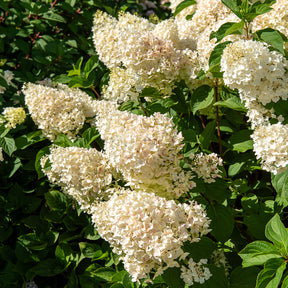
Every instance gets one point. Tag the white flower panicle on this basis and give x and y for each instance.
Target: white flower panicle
(124, 85)
(205, 14)
(196, 272)
(148, 231)
(206, 166)
(271, 145)
(146, 151)
(13, 116)
(58, 109)
(113, 39)
(208, 16)
(258, 73)
(153, 52)
(83, 173)
(276, 18)
(257, 114)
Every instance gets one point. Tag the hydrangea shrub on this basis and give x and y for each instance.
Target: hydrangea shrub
(155, 158)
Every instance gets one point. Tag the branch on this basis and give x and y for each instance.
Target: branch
(117, 7)
(142, 107)
(217, 118)
(95, 91)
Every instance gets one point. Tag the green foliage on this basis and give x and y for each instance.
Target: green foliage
(272, 256)
(227, 29)
(215, 58)
(248, 12)
(183, 5)
(45, 237)
(272, 37)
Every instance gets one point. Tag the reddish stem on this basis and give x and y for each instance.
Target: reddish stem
(217, 118)
(94, 90)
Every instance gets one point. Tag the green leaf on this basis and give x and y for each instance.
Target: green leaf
(189, 135)
(272, 37)
(172, 278)
(200, 250)
(16, 165)
(31, 203)
(90, 250)
(3, 5)
(233, 103)
(259, 8)
(202, 97)
(8, 145)
(215, 59)
(236, 168)
(117, 285)
(119, 277)
(244, 7)
(241, 141)
(39, 155)
(62, 78)
(24, 254)
(215, 191)
(218, 279)
(54, 17)
(243, 277)
(226, 29)
(63, 141)
(233, 6)
(90, 233)
(56, 200)
(103, 273)
(127, 282)
(208, 135)
(221, 216)
(3, 131)
(15, 197)
(280, 183)
(271, 275)
(48, 267)
(76, 68)
(91, 64)
(150, 92)
(277, 233)
(285, 282)
(256, 222)
(183, 5)
(3, 82)
(64, 252)
(72, 280)
(258, 253)
(26, 140)
(90, 135)
(250, 203)
(79, 81)
(32, 241)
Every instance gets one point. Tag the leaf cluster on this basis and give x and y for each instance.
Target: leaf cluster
(44, 235)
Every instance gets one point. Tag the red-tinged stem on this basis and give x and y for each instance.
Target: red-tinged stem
(94, 90)
(142, 107)
(53, 4)
(217, 118)
(202, 121)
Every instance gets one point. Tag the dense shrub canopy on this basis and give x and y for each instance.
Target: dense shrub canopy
(143, 143)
